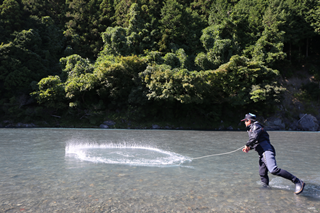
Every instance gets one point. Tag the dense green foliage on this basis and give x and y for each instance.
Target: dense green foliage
(160, 60)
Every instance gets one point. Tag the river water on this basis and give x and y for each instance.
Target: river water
(94, 170)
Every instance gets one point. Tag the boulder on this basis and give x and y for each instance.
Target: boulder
(22, 125)
(155, 126)
(109, 123)
(103, 126)
(17, 125)
(274, 123)
(30, 125)
(308, 122)
(230, 128)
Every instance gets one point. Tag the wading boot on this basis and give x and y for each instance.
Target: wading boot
(299, 186)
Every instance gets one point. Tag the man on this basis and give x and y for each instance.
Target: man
(259, 141)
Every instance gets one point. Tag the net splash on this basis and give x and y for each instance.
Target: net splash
(125, 154)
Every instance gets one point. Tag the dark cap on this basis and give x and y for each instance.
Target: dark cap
(249, 116)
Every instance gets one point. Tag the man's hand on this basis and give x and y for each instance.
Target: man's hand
(246, 149)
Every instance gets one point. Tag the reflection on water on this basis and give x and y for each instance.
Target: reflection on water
(88, 170)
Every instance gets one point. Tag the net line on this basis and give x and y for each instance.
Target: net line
(225, 153)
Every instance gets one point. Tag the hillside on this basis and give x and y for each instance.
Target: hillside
(172, 64)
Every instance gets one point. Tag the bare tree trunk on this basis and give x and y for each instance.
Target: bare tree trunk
(307, 48)
(290, 51)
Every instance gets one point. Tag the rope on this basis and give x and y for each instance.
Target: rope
(226, 153)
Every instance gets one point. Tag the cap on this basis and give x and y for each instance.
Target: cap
(249, 116)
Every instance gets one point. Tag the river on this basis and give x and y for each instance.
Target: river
(98, 170)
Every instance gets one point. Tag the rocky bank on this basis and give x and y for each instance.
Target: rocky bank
(306, 122)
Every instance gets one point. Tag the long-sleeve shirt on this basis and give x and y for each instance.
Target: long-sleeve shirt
(258, 138)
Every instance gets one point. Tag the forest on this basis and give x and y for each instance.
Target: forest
(178, 63)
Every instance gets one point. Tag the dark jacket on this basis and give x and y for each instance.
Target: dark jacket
(258, 138)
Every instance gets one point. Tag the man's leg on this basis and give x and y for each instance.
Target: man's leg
(263, 172)
(270, 161)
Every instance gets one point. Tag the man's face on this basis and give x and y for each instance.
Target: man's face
(247, 122)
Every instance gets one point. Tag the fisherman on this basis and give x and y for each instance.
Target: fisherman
(259, 141)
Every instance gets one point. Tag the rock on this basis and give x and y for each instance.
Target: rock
(293, 125)
(274, 123)
(9, 126)
(230, 128)
(19, 125)
(7, 122)
(155, 126)
(22, 125)
(221, 127)
(308, 122)
(106, 124)
(103, 126)
(109, 123)
(30, 125)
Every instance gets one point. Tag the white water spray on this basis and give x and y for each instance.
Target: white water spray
(124, 153)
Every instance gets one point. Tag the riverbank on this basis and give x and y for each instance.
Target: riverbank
(305, 122)
(296, 112)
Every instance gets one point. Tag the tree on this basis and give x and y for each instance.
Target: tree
(75, 66)
(51, 93)
(115, 42)
(10, 18)
(52, 41)
(298, 30)
(220, 11)
(314, 17)
(119, 81)
(74, 88)
(202, 7)
(171, 23)
(237, 83)
(85, 22)
(79, 81)
(134, 39)
(55, 9)
(20, 62)
(220, 42)
(269, 47)
(106, 11)
(138, 38)
(180, 26)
